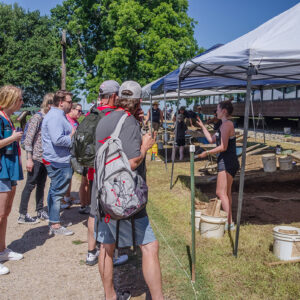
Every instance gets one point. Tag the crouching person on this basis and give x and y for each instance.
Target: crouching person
(135, 148)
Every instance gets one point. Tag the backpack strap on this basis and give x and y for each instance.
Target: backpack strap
(117, 131)
(133, 234)
(117, 239)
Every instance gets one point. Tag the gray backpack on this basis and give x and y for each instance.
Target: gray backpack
(121, 192)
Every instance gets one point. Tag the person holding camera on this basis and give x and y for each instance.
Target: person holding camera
(11, 169)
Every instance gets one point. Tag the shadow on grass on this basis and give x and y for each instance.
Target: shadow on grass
(231, 240)
(188, 251)
(129, 276)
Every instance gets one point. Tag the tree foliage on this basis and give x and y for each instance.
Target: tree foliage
(29, 52)
(124, 39)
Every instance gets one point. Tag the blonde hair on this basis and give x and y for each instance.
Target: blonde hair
(47, 100)
(9, 95)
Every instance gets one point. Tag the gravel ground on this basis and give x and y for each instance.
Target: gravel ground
(53, 267)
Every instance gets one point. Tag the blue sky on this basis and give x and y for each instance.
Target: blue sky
(219, 21)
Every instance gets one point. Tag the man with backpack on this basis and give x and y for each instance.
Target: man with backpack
(108, 93)
(121, 131)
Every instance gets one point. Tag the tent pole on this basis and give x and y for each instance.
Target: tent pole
(242, 173)
(253, 119)
(151, 114)
(261, 111)
(175, 134)
(165, 139)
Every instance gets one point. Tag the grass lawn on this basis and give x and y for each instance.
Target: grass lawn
(219, 275)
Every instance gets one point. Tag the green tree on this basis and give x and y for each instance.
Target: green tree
(124, 39)
(29, 53)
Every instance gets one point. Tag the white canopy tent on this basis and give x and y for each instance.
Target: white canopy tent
(271, 51)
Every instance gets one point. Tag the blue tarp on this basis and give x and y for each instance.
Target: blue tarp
(169, 82)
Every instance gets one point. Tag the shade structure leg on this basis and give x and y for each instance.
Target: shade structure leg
(242, 173)
(151, 114)
(175, 135)
(253, 118)
(261, 110)
(165, 139)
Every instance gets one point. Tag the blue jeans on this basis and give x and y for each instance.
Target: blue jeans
(60, 181)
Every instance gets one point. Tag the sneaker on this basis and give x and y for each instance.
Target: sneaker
(43, 215)
(75, 201)
(84, 209)
(65, 204)
(60, 231)
(231, 227)
(27, 219)
(92, 259)
(8, 254)
(123, 296)
(3, 270)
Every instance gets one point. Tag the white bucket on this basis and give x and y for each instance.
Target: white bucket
(269, 162)
(286, 245)
(285, 163)
(212, 227)
(197, 219)
(287, 130)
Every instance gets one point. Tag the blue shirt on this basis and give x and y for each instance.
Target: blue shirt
(56, 139)
(11, 167)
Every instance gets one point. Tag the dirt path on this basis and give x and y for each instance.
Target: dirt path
(53, 267)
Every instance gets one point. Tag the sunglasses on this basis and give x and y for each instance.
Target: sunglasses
(79, 110)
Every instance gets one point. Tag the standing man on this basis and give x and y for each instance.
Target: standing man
(56, 139)
(72, 117)
(135, 148)
(157, 117)
(108, 94)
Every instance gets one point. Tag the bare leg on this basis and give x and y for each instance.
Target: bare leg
(90, 237)
(222, 193)
(84, 191)
(105, 265)
(181, 152)
(151, 269)
(6, 200)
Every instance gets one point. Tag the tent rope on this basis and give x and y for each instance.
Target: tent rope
(178, 261)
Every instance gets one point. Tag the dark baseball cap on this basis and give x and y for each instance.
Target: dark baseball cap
(109, 87)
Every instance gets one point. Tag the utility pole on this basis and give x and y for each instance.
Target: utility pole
(63, 59)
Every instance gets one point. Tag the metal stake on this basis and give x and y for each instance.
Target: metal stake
(242, 174)
(192, 151)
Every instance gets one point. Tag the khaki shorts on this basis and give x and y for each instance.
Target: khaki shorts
(155, 126)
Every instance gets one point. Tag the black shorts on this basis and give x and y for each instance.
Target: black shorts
(180, 142)
(231, 168)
